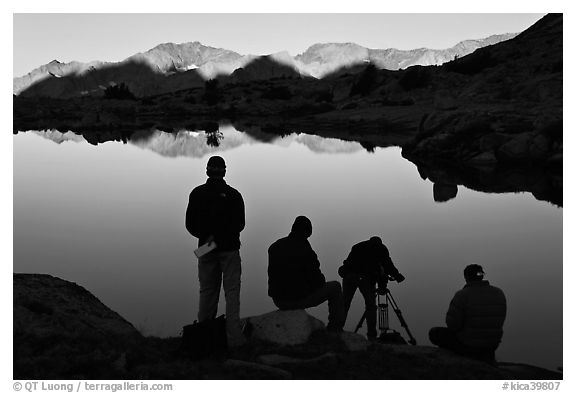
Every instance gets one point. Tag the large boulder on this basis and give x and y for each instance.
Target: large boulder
(63, 331)
(291, 327)
(444, 192)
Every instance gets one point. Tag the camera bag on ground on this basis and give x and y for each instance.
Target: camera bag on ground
(201, 339)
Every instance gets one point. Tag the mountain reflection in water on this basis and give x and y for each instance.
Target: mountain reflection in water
(543, 184)
(194, 144)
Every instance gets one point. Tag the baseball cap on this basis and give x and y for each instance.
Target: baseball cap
(473, 272)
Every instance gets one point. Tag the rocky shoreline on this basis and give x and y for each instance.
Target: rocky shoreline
(61, 331)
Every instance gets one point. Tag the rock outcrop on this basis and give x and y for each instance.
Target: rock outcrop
(295, 327)
(509, 104)
(284, 327)
(62, 330)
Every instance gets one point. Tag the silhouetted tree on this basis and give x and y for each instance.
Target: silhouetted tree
(119, 92)
(369, 146)
(213, 138)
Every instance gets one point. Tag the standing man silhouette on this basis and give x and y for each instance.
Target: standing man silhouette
(215, 213)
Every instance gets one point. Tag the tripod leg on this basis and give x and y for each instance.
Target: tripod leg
(360, 323)
(405, 326)
(403, 323)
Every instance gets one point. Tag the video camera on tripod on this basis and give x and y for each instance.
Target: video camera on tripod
(368, 264)
(388, 335)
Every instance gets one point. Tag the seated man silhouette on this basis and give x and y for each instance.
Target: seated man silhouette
(369, 263)
(474, 319)
(294, 277)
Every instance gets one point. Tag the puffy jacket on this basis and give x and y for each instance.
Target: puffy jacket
(216, 209)
(477, 314)
(293, 269)
(369, 259)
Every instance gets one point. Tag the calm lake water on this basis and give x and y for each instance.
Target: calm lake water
(111, 218)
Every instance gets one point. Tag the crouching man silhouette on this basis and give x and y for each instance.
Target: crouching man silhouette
(368, 264)
(474, 319)
(294, 277)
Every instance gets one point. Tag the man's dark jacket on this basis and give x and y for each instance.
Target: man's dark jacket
(216, 209)
(369, 259)
(293, 269)
(476, 314)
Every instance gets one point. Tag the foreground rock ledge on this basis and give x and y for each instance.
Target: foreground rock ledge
(62, 331)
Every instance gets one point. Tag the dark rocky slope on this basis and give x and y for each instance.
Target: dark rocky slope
(497, 119)
(502, 103)
(63, 331)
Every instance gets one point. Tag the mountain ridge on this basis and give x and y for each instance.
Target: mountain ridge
(209, 62)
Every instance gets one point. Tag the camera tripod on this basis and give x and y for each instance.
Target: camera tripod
(387, 334)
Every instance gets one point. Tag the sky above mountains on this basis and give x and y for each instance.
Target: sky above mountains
(40, 38)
